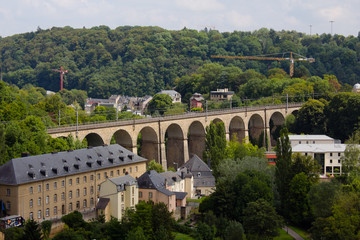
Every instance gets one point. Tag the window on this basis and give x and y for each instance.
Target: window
(122, 196)
(70, 182)
(136, 168)
(91, 177)
(199, 174)
(92, 190)
(8, 192)
(47, 212)
(55, 185)
(150, 194)
(339, 154)
(111, 173)
(8, 205)
(130, 169)
(91, 202)
(299, 142)
(70, 194)
(330, 154)
(39, 188)
(84, 179)
(140, 194)
(62, 196)
(98, 188)
(55, 210)
(55, 197)
(31, 190)
(77, 204)
(47, 199)
(132, 201)
(31, 216)
(105, 174)
(77, 180)
(63, 183)
(98, 175)
(133, 190)
(31, 203)
(85, 191)
(39, 201)
(47, 187)
(124, 171)
(306, 154)
(70, 206)
(77, 193)
(85, 203)
(307, 142)
(339, 161)
(39, 214)
(118, 172)
(313, 142)
(330, 160)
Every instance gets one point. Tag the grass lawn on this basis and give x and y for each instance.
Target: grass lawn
(283, 236)
(180, 236)
(305, 235)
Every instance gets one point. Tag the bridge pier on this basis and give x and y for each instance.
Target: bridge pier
(186, 150)
(162, 156)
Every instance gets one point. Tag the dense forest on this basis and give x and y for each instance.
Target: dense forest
(143, 60)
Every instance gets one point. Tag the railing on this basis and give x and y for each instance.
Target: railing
(122, 122)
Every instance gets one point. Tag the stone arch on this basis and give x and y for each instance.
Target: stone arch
(196, 139)
(256, 128)
(149, 147)
(237, 126)
(216, 120)
(94, 140)
(276, 121)
(174, 145)
(124, 139)
(295, 112)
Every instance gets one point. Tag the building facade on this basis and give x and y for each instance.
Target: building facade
(175, 96)
(221, 95)
(48, 186)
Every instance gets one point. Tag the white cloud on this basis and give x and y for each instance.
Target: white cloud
(239, 20)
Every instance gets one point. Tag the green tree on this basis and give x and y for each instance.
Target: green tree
(136, 234)
(351, 158)
(74, 220)
(283, 169)
(234, 231)
(261, 220)
(160, 102)
(311, 117)
(215, 145)
(32, 231)
(153, 165)
(46, 228)
(322, 197)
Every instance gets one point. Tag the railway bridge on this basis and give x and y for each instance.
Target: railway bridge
(171, 140)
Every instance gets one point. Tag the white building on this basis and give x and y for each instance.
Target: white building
(326, 150)
(175, 96)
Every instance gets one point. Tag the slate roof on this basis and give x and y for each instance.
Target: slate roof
(103, 202)
(36, 168)
(309, 137)
(200, 170)
(123, 181)
(153, 180)
(319, 148)
(180, 195)
(171, 177)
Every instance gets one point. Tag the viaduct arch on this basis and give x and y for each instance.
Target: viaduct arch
(172, 140)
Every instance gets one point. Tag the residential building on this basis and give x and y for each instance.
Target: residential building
(356, 88)
(51, 185)
(153, 186)
(116, 195)
(221, 95)
(204, 181)
(196, 101)
(175, 96)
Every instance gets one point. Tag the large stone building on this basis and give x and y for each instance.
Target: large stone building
(49, 186)
(221, 95)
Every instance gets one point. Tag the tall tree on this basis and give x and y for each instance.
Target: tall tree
(283, 172)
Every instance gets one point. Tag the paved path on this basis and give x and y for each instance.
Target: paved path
(292, 233)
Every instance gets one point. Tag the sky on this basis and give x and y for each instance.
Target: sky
(307, 16)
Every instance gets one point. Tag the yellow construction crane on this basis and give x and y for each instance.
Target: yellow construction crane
(291, 59)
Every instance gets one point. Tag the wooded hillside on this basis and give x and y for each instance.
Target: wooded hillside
(143, 60)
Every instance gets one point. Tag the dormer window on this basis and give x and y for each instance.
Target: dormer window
(99, 162)
(31, 175)
(43, 172)
(76, 166)
(77, 159)
(111, 160)
(42, 164)
(111, 153)
(121, 158)
(89, 164)
(66, 168)
(54, 170)
(131, 156)
(89, 157)
(31, 166)
(64, 161)
(99, 155)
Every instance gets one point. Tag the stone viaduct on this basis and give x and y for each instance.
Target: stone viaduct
(171, 140)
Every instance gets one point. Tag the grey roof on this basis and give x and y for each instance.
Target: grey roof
(103, 202)
(172, 93)
(180, 195)
(153, 180)
(319, 148)
(171, 177)
(53, 165)
(195, 164)
(309, 137)
(204, 181)
(123, 181)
